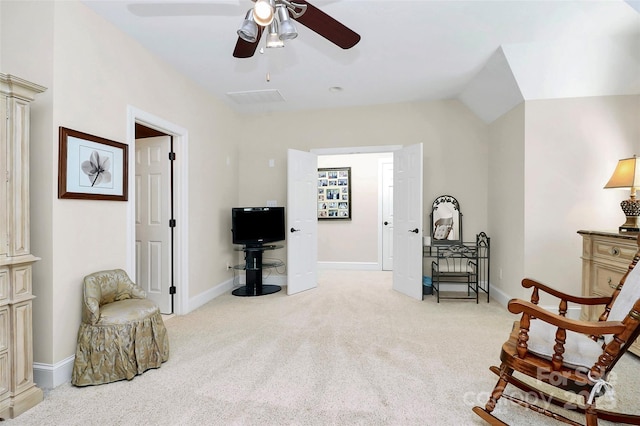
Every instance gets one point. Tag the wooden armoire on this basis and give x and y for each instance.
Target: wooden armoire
(18, 391)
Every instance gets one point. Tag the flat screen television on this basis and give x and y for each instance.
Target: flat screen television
(255, 226)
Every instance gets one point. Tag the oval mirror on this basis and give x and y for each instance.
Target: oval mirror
(446, 221)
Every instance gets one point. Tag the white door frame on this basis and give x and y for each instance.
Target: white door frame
(180, 199)
(381, 207)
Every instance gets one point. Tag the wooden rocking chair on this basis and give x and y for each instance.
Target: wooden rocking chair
(574, 356)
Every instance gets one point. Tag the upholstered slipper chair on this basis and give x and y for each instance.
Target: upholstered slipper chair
(122, 333)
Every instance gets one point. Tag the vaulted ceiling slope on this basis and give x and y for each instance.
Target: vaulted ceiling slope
(489, 54)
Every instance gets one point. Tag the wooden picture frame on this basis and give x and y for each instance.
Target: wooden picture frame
(91, 167)
(334, 193)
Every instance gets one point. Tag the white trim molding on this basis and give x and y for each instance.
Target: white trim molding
(49, 376)
(227, 286)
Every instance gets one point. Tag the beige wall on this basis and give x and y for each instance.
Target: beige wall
(29, 55)
(549, 161)
(506, 203)
(455, 149)
(97, 72)
(571, 149)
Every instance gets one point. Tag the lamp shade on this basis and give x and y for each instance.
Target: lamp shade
(273, 40)
(263, 12)
(287, 29)
(249, 30)
(626, 174)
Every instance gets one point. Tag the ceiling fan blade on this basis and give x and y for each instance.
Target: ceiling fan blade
(323, 24)
(244, 49)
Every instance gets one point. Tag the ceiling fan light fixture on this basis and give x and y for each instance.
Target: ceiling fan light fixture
(273, 39)
(282, 13)
(263, 12)
(287, 29)
(248, 31)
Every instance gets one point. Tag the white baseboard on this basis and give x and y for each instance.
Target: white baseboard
(353, 266)
(209, 295)
(573, 312)
(47, 376)
(500, 296)
(274, 279)
(229, 285)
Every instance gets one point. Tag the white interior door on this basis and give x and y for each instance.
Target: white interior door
(153, 235)
(302, 221)
(387, 216)
(407, 214)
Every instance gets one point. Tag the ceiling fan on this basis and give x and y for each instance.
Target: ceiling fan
(275, 16)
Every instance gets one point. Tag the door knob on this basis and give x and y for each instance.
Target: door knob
(414, 230)
(294, 230)
(386, 223)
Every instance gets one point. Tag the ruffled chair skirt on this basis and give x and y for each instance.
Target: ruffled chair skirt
(128, 339)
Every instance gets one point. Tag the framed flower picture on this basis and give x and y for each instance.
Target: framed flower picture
(334, 193)
(91, 167)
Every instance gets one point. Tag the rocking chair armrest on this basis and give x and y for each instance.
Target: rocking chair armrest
(581, 300)
(595, 328)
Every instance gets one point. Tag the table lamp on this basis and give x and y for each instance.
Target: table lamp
(627, 175)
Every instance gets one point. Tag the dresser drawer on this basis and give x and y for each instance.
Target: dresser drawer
(615, 252)
(606, 280)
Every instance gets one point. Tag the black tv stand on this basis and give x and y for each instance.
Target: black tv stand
(253, 267)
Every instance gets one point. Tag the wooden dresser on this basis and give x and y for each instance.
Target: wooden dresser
(606, 256)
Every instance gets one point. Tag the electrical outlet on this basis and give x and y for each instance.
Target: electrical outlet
(272, 203)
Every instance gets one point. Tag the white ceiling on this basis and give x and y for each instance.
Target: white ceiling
(489, 54)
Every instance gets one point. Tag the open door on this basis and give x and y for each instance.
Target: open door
(302, 221)
(153, 198)
(407, 214)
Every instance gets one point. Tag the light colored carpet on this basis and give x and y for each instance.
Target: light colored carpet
(350, 352)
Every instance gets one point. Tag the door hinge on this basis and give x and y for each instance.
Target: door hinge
(172, 289)
(172, 223)
(172, 156)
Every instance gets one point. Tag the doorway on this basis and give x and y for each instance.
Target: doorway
(407, 177)
(364, 242)
(154, 218)
(173, 293)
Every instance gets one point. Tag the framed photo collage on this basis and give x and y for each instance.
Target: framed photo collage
(334, 193)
